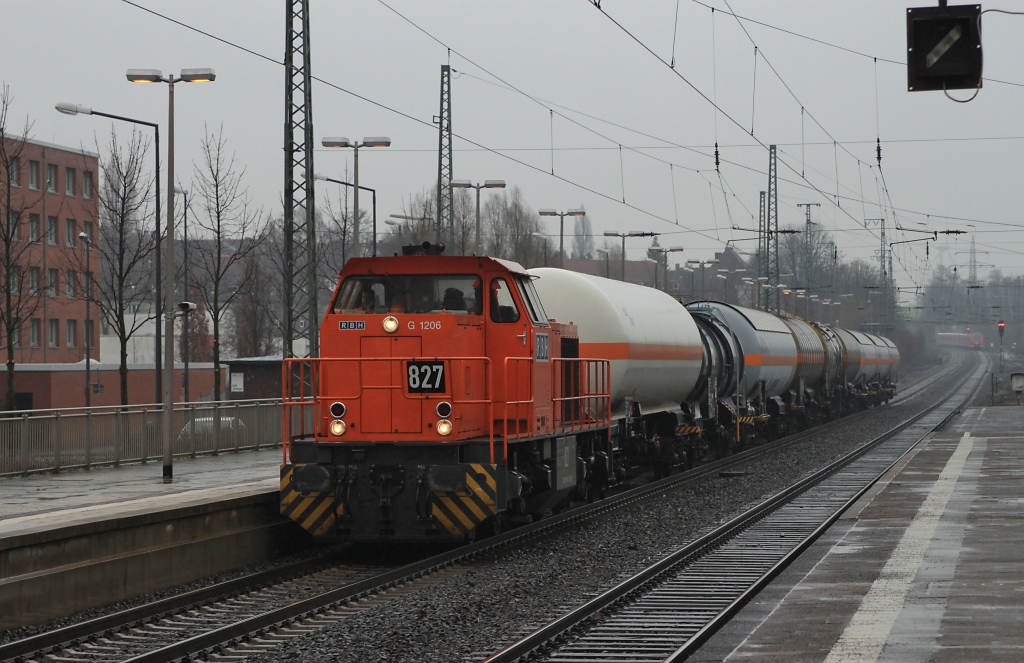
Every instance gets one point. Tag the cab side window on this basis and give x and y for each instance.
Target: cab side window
(502, 305)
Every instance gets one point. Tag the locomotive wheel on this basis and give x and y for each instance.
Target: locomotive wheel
(496, 525)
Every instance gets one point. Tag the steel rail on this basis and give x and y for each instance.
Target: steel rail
(629, 589)
(164, 606)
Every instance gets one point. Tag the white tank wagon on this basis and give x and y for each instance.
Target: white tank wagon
(870, 358)
(769, 351)
(654, 346)
(810, 374)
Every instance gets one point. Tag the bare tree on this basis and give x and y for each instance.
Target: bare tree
(334, 236)
(511, 224)
(255, 324)
(195, 342)
(233, 229)
(126, 244)
(582, 238)
(464, 219)
(19, 300)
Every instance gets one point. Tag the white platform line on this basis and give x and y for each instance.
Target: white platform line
(868, 630)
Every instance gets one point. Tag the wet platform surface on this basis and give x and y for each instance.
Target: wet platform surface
(926, 566)
(50, 501)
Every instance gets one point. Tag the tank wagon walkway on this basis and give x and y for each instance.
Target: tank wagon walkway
(926, 566)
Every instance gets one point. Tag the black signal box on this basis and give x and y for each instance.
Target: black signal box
(944, 48)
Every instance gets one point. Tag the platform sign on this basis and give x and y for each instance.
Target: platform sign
(944, 48)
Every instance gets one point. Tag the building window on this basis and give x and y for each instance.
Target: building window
(71, 335)
(87, 284)
(69, 181)
(87, 229)
(69, 233)
(52, 284)
(88, 333)
(14, 225)
(35, 332)
(14, 171)
(33, 280)
(69, 286)
(15, 280)
(51, 177)
(87, 184)
(54, 330)
(33, 175)
(33, 228)
(16, 334)
(51, 231)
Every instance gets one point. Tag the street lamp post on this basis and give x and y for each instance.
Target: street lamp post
(749, 282)
(184, 321)
(543, 238)
(395, 223)
(607, 262)
(702, 264)
(488, 184)
(155, 76)
(561, 229)
(87, 336)
(661, 253)
(728, 273)
(374, 141)
(355, 226)
(75, 109)
(633, 233)
(692, 294)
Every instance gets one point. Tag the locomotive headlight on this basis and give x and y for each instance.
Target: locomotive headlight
(390, 324)
(338, 409)
(338, 428)
(444, 409)
(444, 427)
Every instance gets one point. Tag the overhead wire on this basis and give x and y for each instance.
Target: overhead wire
(414, 119)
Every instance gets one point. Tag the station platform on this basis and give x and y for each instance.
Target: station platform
(81, 539)
(928, 566)
(54, 497)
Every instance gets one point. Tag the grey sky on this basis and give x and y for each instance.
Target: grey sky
(940, 158)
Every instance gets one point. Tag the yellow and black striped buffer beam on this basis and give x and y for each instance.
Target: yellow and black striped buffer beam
(461, 512)
(756, 419)
(317, 513)
(687, 430)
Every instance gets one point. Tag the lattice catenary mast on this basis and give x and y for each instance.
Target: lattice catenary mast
(445, 210)
(299, 298)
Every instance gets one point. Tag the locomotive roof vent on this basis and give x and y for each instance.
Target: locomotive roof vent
(424, 249)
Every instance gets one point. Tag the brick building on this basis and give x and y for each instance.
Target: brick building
(48, 198)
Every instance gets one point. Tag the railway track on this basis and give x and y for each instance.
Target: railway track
(666, 611)
(230, 620)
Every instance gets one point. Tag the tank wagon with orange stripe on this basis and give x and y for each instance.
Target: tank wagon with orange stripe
(455, 392)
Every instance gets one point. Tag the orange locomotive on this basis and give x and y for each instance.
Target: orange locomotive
(444, 401)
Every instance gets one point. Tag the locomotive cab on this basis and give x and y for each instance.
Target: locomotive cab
(439, 403)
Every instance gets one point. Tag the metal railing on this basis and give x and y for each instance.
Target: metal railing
(52, 440)
(580, 396)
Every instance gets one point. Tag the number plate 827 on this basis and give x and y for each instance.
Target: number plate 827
(425, 377)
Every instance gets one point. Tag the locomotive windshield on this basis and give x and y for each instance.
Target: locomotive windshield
(410, 293)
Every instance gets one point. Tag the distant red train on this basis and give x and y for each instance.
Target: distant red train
(960, 339)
